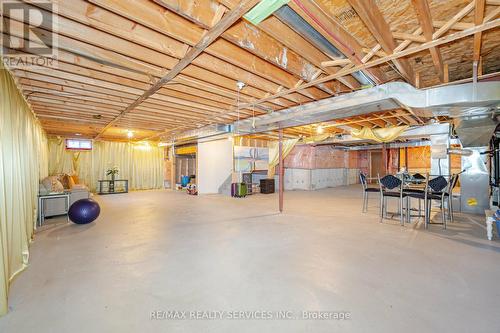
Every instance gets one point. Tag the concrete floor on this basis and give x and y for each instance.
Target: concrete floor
(165, 251)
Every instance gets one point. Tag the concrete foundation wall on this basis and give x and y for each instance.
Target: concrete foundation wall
(315, 179)
(316, 167)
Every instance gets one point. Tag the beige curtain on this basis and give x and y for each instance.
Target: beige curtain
(141, 164)
(379, 134)
(23, 162)
(274, 154)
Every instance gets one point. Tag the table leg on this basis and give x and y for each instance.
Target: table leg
(42, 216)
(39, 222)
(67, 208)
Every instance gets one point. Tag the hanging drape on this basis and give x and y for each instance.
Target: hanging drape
(274, 154)
(141, 164)
(23, 162)
(379, 134)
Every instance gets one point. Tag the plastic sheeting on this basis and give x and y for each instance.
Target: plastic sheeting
(316, 138)
(379, 134)
(263, 9)
(274, 153)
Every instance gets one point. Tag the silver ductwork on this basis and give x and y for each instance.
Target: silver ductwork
(456, 101)
(199, 133)
(475, 132)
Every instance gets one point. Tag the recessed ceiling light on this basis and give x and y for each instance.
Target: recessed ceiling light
(78, 134)
(130, 134)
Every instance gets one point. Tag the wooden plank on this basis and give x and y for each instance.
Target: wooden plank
(437, 42)
(216, 57)
(371, 16)
(213, 34)
(478, 19)
(411, 37)
(314, 13)
(251, 39)
(293, 41)
(455, 26)
(200, 11)
(99, 101)
(37, 80)
(457, 17)
(424, 17)
(155, 41)
(159, 100)
(337, 62)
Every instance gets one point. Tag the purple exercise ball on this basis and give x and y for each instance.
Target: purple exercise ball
(84, 211)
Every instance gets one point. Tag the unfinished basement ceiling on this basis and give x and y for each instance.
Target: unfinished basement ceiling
(110, 52)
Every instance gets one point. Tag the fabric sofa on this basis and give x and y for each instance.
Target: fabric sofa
(62, 183)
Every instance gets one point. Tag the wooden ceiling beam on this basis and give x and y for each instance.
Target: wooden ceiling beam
(83, 110)
(371, 16)
(118, 87)
(451, 22)
(101, 44)
(202, 12)
(266, 42)
(255, 41)
(190, 85)
(293, 41)
(155, 110)
(424, 17)
(197, 72)
(443, 26)
(252, 39)
(478, 19)
(35, 80)
(221, 57)
(488, 25)
(411, 37)
(455, 26)
(315, 14)
(229, 19)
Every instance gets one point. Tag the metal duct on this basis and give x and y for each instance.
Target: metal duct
(297, 23)
(464, 100)
(200, 133)
(475, 132)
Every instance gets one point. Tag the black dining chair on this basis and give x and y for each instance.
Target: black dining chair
(392, 187)
(366, 190)
(437, 189)
(418, 176)
(417, 191)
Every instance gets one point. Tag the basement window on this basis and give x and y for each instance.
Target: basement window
(78, 144)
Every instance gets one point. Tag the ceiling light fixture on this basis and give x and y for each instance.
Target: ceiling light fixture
(320, 129)
(130, 134)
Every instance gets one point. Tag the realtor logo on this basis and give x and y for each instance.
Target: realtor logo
(28, 33)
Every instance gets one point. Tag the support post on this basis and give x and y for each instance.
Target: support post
(281, 170)
(384, 159)
(173, 170)
(406, 158)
